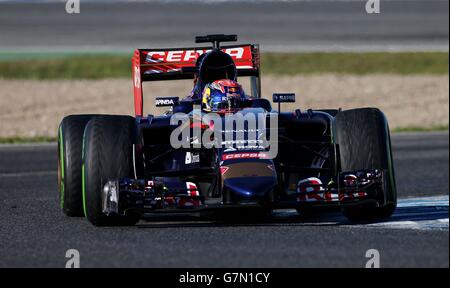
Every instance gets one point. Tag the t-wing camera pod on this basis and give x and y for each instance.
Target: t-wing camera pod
(215, 39)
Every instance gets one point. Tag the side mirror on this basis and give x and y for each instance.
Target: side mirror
(283, 98)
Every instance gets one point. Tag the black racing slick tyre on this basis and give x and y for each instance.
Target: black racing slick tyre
(107, 155)
(364, 143)
(70, 141)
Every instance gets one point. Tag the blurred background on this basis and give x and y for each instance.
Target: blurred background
(332, 53)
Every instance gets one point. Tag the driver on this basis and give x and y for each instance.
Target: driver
(213, 65)
(222, 95)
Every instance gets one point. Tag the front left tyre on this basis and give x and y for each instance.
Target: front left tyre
(364, 144)
(107, 155)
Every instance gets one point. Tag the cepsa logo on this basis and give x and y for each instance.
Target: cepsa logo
(256, 155)
(188, 55)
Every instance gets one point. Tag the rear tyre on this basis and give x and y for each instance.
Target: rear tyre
(107, 155)
(70, 138)
(364, 144)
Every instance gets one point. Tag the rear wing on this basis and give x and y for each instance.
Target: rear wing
(179, 63)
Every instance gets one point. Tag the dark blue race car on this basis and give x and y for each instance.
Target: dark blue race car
(116, 169)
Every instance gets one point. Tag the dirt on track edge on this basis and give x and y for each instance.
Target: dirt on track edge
(31, 108)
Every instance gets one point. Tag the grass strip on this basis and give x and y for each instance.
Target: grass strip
(99, 66)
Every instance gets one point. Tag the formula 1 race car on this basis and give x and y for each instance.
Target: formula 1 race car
(116, 169)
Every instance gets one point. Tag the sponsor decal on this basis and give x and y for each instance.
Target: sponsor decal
(166, 101)
(137, 77)
(236, 53)
(192, 190)
(230, 149)
(174, 60)
(311, 190)
(249, 155)
(192, 158)
(283, 98)
(344, 196)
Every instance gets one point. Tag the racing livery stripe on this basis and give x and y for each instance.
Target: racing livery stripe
(83, 182)
(61, 157)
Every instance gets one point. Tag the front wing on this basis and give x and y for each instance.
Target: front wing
(122, 196)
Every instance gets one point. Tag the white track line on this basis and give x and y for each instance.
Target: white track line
(423, 213)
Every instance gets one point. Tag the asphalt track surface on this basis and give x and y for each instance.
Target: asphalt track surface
(35, 233)
(322, 25)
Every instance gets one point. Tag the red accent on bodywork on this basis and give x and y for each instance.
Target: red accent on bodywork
(223, 169)
(310, 189)
(137, 84)
(198, 125)
(192, 190)
(173, 60)
(147, 62)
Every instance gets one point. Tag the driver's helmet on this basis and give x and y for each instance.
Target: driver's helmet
(222, 95)
(216, 65)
